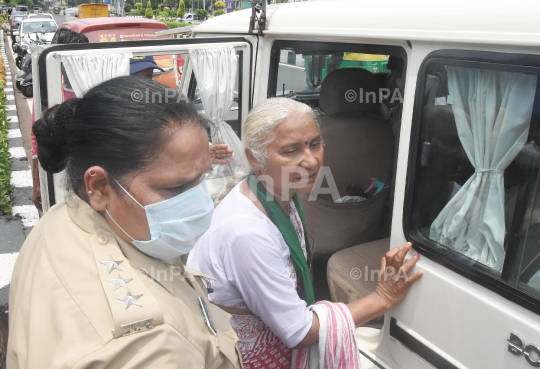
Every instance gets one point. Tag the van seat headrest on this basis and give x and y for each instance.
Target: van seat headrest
(350, 91)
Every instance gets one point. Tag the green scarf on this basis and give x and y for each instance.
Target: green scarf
(282, 221)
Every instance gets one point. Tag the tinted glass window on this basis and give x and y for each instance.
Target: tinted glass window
(477, 170)
(41, 27)
(304, 73)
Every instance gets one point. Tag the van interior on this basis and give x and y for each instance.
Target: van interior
(357, 91)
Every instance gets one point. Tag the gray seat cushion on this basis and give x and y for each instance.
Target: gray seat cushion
(344, 281)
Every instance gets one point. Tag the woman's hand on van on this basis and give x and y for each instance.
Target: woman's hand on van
(394, 281)
(220, 151)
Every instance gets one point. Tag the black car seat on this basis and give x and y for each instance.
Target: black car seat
(359, 146)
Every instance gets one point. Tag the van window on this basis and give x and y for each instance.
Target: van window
(475, 200)
(234, 117)
(357, 90)
(304, 73)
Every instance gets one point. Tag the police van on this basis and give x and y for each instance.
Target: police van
(430, 116)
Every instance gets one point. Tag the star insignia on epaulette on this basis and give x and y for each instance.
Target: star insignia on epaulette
(112, 264)
(130, 299)
(120, 282)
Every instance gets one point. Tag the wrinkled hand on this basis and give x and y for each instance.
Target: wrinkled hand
(36, 198)
(394, 284)
(219, 152)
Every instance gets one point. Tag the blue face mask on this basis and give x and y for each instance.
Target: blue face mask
(175, 224)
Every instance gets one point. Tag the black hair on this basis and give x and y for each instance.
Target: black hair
(120, 125)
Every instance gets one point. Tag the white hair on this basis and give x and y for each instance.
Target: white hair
(263, 120)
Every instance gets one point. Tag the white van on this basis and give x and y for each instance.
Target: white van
(72, 14)
(445, 124)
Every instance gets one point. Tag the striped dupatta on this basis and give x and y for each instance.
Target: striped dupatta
(337, 340)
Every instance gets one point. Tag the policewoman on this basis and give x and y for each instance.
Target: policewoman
(99, 282)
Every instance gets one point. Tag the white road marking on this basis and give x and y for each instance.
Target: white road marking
(7, 89)
(21, 178)
(14, 133)
(9, 83)
(14, 119)
(28, 213)
(7, 262)
(11, 107)
(17, 152)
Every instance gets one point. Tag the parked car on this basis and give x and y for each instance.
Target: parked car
(15, 23)
(15, 15)
(189, 18)
(44, 29)
(22, 8)
(71, 13)
(41, 16)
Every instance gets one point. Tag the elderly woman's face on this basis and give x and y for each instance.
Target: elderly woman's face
(179, 167)
(295, 156)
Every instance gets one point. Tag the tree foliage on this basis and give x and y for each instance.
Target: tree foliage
(149, 14)
(219, 5)
(202, 13)
(219, 12)
(181, 9)
(138, 5)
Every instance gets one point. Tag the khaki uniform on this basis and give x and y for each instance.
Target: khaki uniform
(81, 297)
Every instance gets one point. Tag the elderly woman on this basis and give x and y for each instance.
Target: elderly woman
(256, 249)
(99, 282)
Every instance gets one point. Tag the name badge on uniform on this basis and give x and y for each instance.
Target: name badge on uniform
(206, 315)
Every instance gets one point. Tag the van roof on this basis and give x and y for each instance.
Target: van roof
(103, 23)
(481, 21)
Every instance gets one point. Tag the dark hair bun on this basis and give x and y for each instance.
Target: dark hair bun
(52, 137)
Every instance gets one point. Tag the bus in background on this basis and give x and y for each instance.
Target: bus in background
(93, 11)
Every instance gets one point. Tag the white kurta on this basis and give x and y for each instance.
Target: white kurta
(250, 260)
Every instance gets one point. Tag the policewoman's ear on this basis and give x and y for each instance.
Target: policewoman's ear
(98, 187)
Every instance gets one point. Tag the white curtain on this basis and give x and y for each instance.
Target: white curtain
(86, 71)
(535, 280)
(492, 110)
(215, 72)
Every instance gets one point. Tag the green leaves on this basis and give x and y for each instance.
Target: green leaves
(149, 13)
(173, 24)
(181, 9)
(5, 171)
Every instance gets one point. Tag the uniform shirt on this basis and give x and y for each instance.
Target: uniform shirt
(247, 255)
(68, 308)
